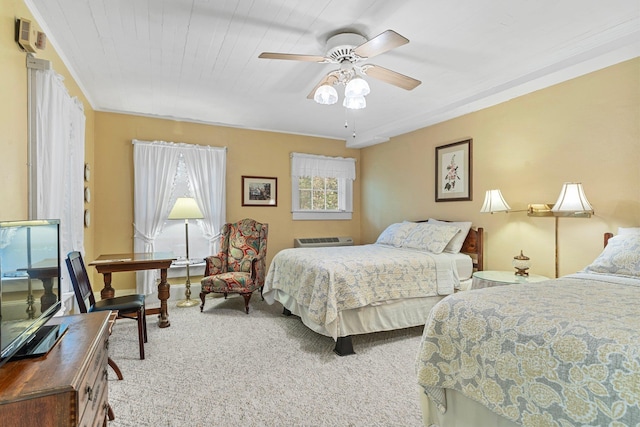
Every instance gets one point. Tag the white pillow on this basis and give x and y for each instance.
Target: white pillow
(621, 256)
(628, 230)
(395, 234)
(456, 243)
(430, 237)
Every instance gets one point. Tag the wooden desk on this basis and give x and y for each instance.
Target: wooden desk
(111, 263)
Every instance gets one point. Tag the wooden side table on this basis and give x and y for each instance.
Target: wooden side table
(489, 278)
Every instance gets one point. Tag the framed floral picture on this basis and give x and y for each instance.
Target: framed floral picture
(454, 171)
(259, 191)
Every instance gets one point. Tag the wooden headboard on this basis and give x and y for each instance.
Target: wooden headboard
(472, 246)
(607, 236)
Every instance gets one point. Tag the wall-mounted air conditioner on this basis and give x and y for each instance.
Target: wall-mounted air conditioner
(319, 242)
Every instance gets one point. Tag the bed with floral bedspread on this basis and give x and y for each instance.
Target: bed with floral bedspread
(348, 290)
(562, 352)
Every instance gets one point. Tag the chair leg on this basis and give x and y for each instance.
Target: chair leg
(246, 297)
(141, 331)
(144, 322)
(110, 415)
(202, 296)
(115, 368)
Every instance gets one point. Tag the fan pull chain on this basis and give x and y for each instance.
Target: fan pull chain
(346, 122)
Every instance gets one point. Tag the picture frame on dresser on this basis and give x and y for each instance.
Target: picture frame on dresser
(259, 191)
(454, 171)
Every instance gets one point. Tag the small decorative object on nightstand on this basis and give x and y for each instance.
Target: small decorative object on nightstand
(521, 264)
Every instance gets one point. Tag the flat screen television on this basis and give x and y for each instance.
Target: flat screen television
(29, 287)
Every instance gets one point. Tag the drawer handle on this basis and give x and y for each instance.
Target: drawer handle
(106, 344)
(105, 373)
(89, 391)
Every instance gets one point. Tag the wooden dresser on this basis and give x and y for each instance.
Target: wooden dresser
(66, 387)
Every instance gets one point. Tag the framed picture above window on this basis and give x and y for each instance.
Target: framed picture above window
(454, 172)
(259, 191)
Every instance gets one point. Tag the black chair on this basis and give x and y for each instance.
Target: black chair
(127, 306)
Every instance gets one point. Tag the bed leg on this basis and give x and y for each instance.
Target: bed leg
(286, 312)
(344, 346)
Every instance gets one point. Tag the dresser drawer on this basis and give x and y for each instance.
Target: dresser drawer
(93, 386)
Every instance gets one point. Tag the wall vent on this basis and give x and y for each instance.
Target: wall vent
(320, 242)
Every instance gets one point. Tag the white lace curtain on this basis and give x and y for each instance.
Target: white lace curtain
(155, 164)
(323, 166)
(59, 125)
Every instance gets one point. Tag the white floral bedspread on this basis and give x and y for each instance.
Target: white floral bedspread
(564, 352)
(329, 280)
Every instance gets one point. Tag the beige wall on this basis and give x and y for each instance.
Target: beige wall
(585, 130)
(252, 153)
(13, 114)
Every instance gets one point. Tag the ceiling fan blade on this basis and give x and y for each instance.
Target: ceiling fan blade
(391, 77)
(379, 44)
(292, 57)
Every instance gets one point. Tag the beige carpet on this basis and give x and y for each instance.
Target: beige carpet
(226, 368)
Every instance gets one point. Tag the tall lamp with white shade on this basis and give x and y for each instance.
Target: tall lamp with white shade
(572, 202)
(186, 208)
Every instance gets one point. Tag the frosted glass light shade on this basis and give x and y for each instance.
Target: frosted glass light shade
(357, 86)
(494, 202)
(326, 94)
(185, 208)
(355, 102)
(572, 199)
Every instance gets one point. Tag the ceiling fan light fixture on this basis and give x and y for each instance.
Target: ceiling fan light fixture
(354, 102)
(326, 94)
(357, 87)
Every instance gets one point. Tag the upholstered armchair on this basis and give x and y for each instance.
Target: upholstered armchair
(240, 265)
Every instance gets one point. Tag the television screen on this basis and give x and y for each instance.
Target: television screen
(29, 286)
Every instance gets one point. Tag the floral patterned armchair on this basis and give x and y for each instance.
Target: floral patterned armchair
(240, 265)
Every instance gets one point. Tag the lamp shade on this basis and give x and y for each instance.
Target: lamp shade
(355, 102)
(326, 94)
(572, 199)
(494, 202)
(185, 208)
(357, 86)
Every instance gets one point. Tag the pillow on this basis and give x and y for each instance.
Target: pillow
(395, 234)
(430, 237)
(628, 230)
(456, 243)
(621, 256)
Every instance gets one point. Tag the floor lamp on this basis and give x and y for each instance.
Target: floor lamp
(572, 202)
(186, 208)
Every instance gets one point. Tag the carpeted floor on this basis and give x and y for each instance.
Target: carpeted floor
(226, 368)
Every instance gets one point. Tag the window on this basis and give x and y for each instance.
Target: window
(322, 187)
(172, 238)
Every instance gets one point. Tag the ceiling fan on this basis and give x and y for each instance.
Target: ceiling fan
(348, 49)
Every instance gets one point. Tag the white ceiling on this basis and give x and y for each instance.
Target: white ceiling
(197, 60)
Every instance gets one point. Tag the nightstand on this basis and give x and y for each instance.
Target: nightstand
(489, 278)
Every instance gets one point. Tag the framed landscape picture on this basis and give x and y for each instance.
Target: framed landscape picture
(454, 172)
(259, 191)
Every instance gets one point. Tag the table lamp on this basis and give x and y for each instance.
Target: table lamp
(186, 208)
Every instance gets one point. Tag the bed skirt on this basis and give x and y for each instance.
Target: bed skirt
(461, 412)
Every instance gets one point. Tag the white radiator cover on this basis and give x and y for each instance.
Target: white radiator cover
(319, 242)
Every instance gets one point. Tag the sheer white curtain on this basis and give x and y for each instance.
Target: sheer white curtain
(59, 126)
(206, 168)
(155, 166)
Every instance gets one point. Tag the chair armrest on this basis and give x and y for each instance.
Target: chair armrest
(215, 264)
(255, 267)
